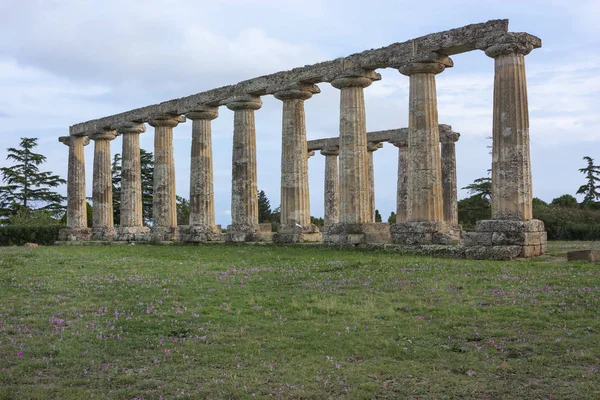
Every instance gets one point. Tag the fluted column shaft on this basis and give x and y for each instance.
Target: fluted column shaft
(371, 148)
(511, 165)
(402, 187)
(295, 200)
(131, 180)
(202, 197)
(76, 190)
(449, 190)
(332, 197)
(244, 190)
(103, 222)
(164, 202)
(353, 179)
(424, 180)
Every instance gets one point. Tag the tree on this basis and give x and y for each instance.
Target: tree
(590, 189)
(481, 187)
(377, 216)
(147, 176)
(264, 208)
(317, 221)
(183, 211)
(26, 186)
(392, 218)
(116, 187)
(566, 201)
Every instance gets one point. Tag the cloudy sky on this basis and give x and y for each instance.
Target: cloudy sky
(69, 61)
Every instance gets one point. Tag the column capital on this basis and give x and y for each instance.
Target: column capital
(330, 150)
(204, 112)
(310, 154)
(168, 120)
(513, 43)
(447, 135)
(374, 146)
(130, 127)
(68, 140)
(360, 78)
(399, 142)
(300, 90)
(247, 102)
(107, 134)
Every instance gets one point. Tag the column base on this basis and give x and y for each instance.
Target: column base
(200, 233)
(506, 239)
(352, 234)
(164, 234)
(240, 233)
(75, 234)
(104, 234)
(133, 234)
(425, 232)
(296, 234)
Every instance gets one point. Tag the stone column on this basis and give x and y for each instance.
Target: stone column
(103, 221)
(425, 211)
(372, 147)
(164, 203)
(511, 167)
(202, 197)
(131, 227)
(449, 191)
(332, 196)
(402, 189)
(244, 190)
(295, 200)
(77, 228)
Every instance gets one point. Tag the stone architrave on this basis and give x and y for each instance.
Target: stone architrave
(103, 227)
(164, 202)
(131, 227)
(202, 198)
(449, 191)
(244, 191)
(402, 189)
(77, 227)
(371, 148)
(425, 211)
(355, 217)
(331, 190)
(295, 201)
(511, 166)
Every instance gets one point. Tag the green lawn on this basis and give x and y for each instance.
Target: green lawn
(219, 321)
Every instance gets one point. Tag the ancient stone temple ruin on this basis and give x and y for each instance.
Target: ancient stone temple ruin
(426, 191)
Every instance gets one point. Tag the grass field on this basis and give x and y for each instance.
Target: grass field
(150, 322)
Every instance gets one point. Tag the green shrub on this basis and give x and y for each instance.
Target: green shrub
(19, 235)
(564, 223)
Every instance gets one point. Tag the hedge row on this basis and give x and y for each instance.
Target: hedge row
(19, 235)
(564, 223)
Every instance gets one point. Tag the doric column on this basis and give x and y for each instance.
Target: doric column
(77, 228)
(372, 147)
(202, 197)
(244, 190)
(354, 186)
(295, 200)
(402, 189)
(511, 169)
(164, 202)
(449, 191)
(424, 181)
(131, 226)
(332, 197)
(103, 223)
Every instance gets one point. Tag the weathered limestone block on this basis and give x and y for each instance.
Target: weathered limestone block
(354, 234)
(371, 148)
(529, 236)
(493, 252)
(131, 227)
(244, 191)
(77, 228)
(332, 197)
(103, 228)
(295, 199)
(164, 206)
(449, 190)
(202, 199)
(425, 232)
(511, 165)
(584, 255)
(402, 187)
